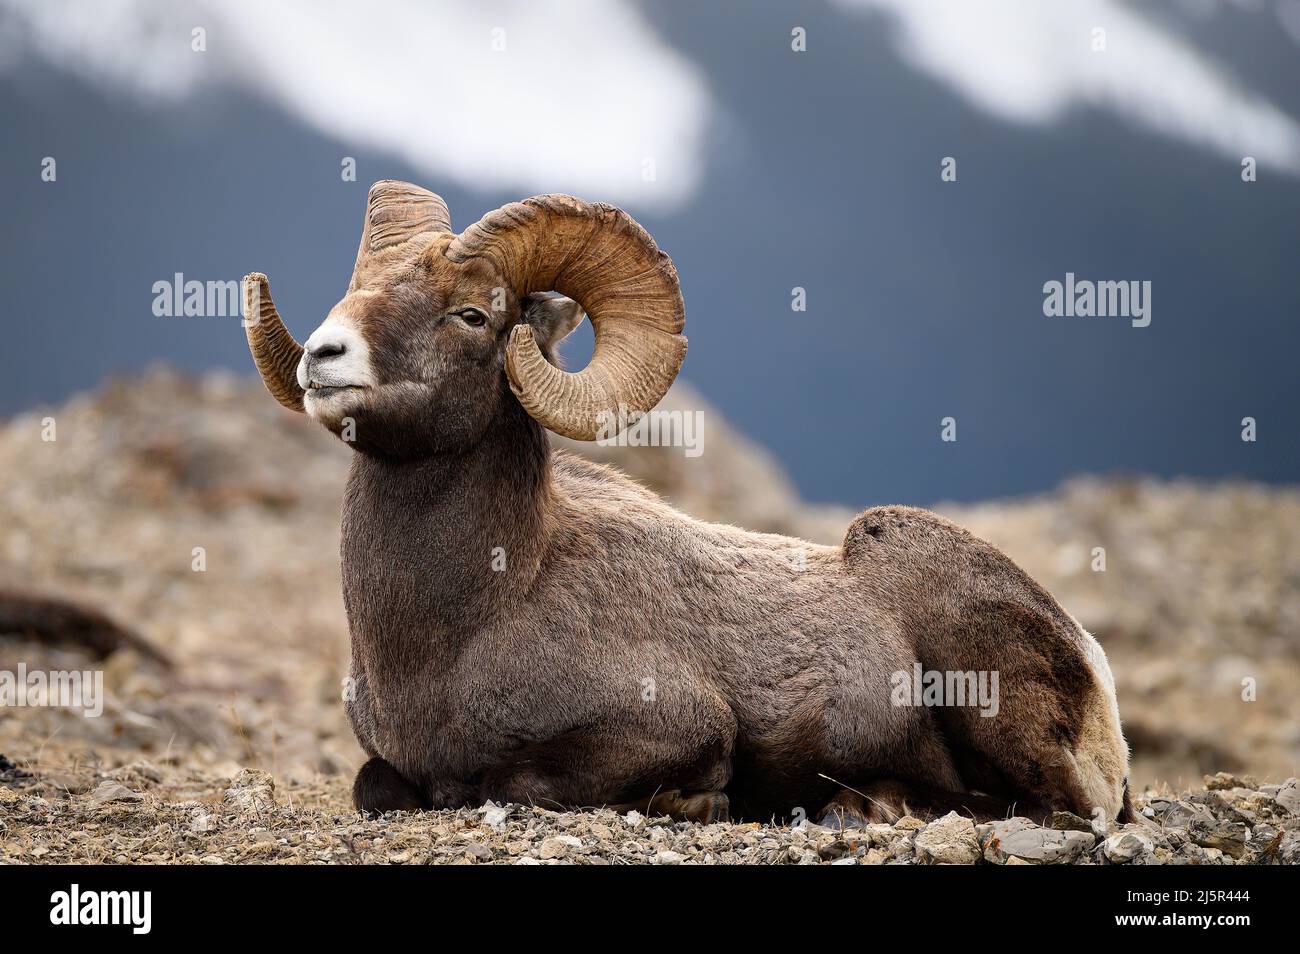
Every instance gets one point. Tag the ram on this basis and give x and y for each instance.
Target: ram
(530, 627)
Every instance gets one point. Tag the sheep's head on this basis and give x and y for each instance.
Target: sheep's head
(418, 354)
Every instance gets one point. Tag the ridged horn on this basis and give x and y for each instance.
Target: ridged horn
(396, 212)
(275, 352)
(599, 256)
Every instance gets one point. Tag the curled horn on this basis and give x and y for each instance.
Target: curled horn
(600, 257)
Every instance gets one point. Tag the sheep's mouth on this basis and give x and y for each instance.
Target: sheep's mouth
(329, 390)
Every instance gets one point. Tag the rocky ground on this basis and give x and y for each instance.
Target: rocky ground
(204, 517)
(165, 814)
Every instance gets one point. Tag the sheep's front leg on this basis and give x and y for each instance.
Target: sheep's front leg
(379, 788)
(623, 768)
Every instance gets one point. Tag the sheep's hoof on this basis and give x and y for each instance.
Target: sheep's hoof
(846, 810)
(379, 788)
(705, 807)
(840, 819)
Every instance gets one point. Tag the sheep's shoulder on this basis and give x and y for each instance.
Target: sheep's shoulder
(605, 504)
(587, 483)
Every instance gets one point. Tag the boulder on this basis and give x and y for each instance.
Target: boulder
(1021, 838)
(1128, 846)
(949, 840)
(1288, 796)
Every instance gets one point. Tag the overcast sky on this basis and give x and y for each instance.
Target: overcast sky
(767, 146)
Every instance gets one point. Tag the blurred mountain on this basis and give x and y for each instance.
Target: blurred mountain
(924, 298)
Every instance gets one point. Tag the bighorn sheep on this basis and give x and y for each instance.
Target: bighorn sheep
(773, 661)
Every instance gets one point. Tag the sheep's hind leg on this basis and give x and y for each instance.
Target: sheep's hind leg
(887, 800)
(379, 788)
(703, 807)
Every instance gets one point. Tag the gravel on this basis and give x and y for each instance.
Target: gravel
(153, 813)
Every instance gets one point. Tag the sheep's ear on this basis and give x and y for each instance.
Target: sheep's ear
(552, 317)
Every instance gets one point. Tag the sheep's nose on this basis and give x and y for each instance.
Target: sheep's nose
(334, 356)
(327, 348)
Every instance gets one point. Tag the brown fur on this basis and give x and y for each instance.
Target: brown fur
(630, 654)
(527, 684)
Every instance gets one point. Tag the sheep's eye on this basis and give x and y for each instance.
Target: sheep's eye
(472, 317)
